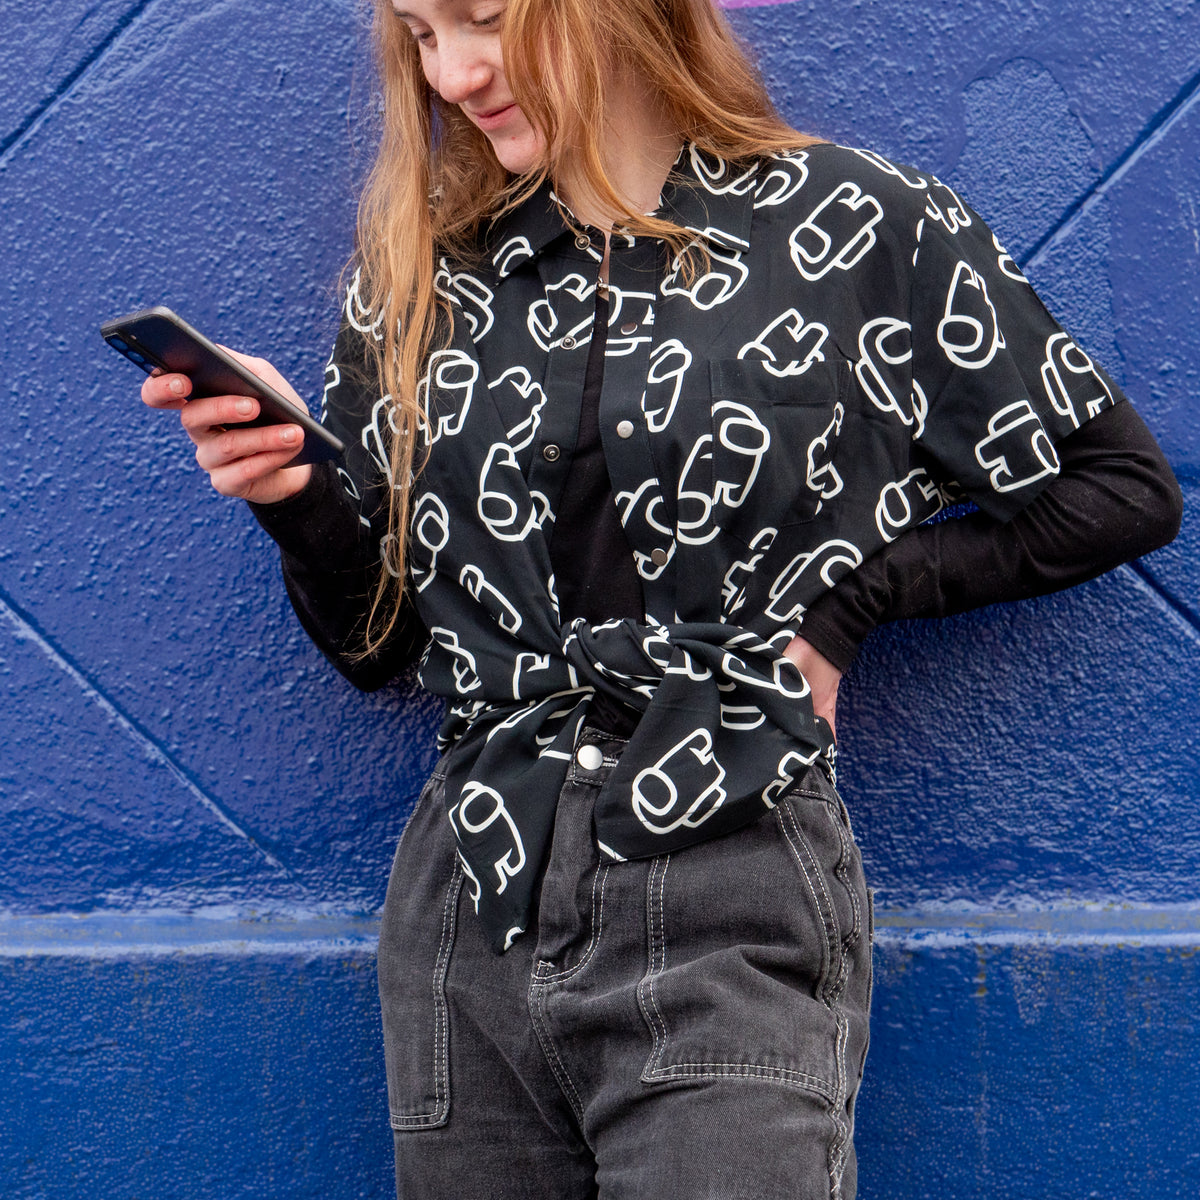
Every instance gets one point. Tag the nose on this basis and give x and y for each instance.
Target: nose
(461, 70)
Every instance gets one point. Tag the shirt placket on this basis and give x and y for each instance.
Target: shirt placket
(560, 318)
(645, 513)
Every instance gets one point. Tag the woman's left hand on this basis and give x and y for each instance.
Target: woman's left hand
(823, 678)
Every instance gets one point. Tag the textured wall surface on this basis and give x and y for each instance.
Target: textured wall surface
(198, 813)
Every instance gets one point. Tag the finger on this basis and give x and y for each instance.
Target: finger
(218, 450)
(267, 372)
(240, 477)
(255, 365)
(166, 391)
(202, 416)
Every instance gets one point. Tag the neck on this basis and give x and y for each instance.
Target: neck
(638, 144)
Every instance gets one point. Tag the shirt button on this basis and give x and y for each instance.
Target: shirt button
(659, 557)
(583, 241)
(568, 343)
(590, 758)
(551, 452)
(629, 327)
(625, 429)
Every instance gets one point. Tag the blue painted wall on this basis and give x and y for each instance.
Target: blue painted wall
(198, 814)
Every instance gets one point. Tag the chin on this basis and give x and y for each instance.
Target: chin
(518, 155)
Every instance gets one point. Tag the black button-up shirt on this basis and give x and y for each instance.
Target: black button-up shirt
(853, 348)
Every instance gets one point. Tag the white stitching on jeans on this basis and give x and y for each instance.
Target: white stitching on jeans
(839, 1147)
(441, 1040)
(801, 850)
(598, 885)
(537, 1002)
(831, 991)
(652, 1073)
(537, 993)
(841, 870)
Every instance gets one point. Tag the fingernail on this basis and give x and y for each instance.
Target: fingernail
(176, 385)
(289, 434)
(245, 406)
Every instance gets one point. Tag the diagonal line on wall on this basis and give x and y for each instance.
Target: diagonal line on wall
(12, 142)
(1155, 130)
(25, 629)
(1177, 608)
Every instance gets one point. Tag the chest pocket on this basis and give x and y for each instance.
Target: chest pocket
(775, 441)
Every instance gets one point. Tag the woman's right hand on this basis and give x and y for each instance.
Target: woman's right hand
(250, 464)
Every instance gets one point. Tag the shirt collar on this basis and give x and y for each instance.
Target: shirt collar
(704, 193)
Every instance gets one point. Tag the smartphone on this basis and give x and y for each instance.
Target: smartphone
(156, 339)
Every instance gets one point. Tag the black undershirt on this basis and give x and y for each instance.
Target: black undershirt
(594, 573)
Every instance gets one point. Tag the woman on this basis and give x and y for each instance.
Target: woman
(648, 400)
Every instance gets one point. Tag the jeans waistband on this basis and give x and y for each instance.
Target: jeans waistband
(585, 766)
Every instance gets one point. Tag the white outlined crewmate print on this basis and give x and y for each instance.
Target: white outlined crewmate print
(669, 363)
(837, 233)
(842, 303)
(886, 343)
(659, 802)
(477, 795)
(430, 527)
(472, 296)
(969, 331)
(1017, 450)
(725, 276)
(905, 501)
(794, 588)
(789, 345)
(1066, 361)
(451, 376)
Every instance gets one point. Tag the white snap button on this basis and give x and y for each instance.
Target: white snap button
(589, 757)
(583, 241)
(625, 429)
(551, 452)
(568, 343)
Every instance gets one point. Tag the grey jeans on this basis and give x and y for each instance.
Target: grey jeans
(688, 1026)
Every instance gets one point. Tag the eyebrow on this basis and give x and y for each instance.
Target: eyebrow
(410, 16)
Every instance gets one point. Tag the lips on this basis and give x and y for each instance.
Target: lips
(493, 118)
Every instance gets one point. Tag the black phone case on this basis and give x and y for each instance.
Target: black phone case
(156, 338)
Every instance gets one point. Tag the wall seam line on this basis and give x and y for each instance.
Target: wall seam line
(27, 629)
(10, 144)
(1180, 610)
(1153, 132)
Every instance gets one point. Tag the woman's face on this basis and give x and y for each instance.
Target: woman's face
(459, 41)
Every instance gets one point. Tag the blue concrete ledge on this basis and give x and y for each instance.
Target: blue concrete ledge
(1113, 924)
(216, 932)
(238, 1054)
(229, 931)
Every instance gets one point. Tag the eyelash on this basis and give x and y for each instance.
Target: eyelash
(426, 36)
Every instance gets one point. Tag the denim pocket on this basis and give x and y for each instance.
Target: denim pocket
(415, 942)
(754, 938)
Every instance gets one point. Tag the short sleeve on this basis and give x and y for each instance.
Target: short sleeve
(997, 382)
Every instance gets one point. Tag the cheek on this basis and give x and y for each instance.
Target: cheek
(429, 67)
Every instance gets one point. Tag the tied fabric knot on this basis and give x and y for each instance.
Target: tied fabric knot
(727, 725)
